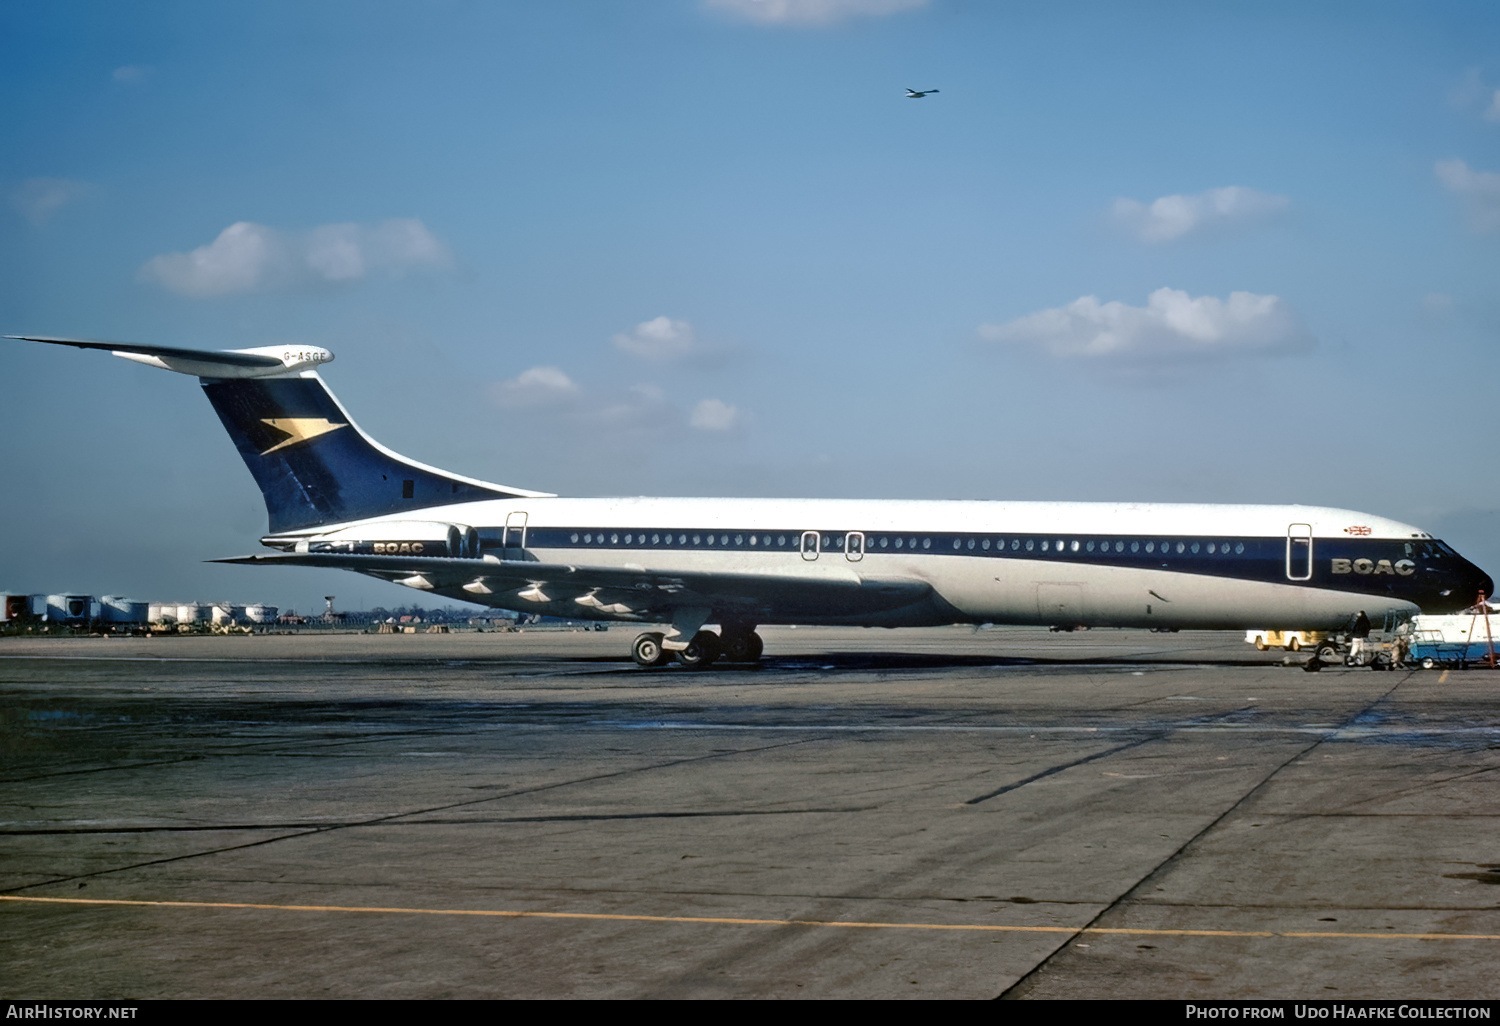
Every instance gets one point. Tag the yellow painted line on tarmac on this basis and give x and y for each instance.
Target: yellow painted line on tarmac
(732, 921)
(1444, 678)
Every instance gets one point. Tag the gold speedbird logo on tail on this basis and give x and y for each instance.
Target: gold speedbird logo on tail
(299, 429)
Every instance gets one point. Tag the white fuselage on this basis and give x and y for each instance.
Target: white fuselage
(1045, 563)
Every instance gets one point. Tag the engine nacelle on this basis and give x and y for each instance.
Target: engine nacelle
(390, 538)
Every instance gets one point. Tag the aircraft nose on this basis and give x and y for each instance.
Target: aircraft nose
(1484, 584)
(1472, 583)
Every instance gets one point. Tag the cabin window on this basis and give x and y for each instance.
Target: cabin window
(1135, 546)
(926, 543)
(1195, 548)
(1181, 548)
(573, 538)
(1239, 548)
(1030, 544)
(614, 539)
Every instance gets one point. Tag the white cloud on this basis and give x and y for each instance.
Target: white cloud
(37, 199)
(539, 386)
(248, 257)
(714, 415)
(658, 339)
(1480, 191)
(613, 418)
(1172, 217)
(1472, 91)
(810, 12)
(1171, 325)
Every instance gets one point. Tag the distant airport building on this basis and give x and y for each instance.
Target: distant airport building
(260, 613)
(19, 608)
(119, 610)
(224, 614)
(72, 610)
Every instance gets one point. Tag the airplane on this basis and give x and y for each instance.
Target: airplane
(337, 498)
(915, 94)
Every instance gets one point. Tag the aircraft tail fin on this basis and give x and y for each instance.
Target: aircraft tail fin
(312, 462)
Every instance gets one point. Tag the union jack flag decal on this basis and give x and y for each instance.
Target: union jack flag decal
(1357, 530)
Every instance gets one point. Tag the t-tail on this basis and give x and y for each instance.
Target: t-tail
(314, 465)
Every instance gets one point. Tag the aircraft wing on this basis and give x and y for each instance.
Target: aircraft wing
(623, 591)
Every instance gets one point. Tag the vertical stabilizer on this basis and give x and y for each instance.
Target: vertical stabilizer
(313, 463)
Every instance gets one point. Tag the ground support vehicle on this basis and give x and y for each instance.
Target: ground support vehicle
(1430, 651)
(1292, 641)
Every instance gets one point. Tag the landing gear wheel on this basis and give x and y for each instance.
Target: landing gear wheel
(647, 650)
(701, 651)
(741, 647)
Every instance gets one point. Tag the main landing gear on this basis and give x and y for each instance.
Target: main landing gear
(732, 646)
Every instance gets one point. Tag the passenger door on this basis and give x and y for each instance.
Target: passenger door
(1299, 552)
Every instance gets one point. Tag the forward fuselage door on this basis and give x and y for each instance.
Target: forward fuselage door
(854, 546)
(1299, 552)
(514, 544)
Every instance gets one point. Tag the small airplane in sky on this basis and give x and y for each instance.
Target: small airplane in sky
(914, 94)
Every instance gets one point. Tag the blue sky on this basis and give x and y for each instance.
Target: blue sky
(1173, 252)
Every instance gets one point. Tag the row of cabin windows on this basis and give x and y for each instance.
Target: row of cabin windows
(779, 541)
(891, 542)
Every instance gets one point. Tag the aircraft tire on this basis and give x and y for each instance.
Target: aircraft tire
(647, 650)
(701, 651)
(741, 647)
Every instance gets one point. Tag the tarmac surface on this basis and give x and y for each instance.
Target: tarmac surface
(915, 813)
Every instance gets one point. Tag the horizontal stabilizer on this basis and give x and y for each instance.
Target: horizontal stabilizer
(225, 363)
